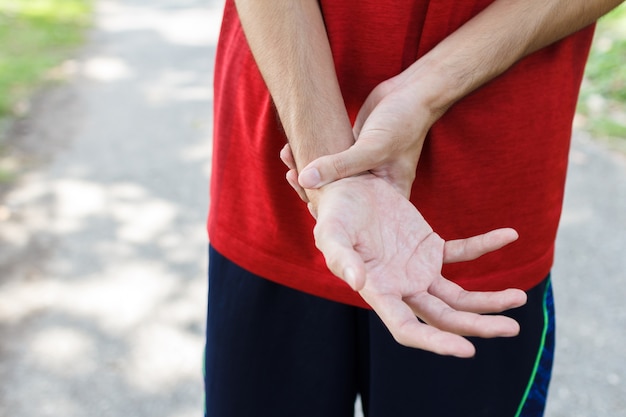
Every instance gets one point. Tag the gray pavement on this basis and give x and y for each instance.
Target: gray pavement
(590, 287)
(103, 288)
(103, 248)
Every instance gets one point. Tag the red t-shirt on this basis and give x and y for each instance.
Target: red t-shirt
(497, 158)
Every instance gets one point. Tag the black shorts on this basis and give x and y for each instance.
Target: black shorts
(275, 352)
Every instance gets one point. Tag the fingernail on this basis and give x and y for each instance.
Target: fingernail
(309, 178)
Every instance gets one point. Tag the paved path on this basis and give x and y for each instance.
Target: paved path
(103, 250)
(590, 287)
(102, 295)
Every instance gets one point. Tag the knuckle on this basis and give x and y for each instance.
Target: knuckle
(320, 239)
(378, 152)
(384, 88)
(403, 338)
(404, 334)
(317, 235)
(340, 166)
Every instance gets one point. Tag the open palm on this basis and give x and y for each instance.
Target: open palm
(376, 240)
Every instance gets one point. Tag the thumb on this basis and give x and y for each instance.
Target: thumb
(341, 258)
(360, 157)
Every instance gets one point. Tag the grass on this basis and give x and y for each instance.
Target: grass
(35, 36)
(602, 103)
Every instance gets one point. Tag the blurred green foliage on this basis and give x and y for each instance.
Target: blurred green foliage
(35, 36)
(602, 104)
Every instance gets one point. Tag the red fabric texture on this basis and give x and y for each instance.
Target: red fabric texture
(498, 158)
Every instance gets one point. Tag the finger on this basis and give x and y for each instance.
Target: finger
(360, 157)
(292, 179)
(286, 155)
(477, 301)
(437, 313)
(340, 256)
(407, 330)
(461, 250)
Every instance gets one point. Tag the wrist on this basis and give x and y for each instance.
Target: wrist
(436, 89)
(316, 195)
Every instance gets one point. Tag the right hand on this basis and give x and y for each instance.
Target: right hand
(375, 239)
(390, 130)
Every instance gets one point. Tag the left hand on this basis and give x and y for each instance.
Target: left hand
(376, 240)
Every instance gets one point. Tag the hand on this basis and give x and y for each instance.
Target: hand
(375, 239)
(390, 130)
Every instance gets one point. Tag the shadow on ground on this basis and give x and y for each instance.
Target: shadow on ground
(102, 241)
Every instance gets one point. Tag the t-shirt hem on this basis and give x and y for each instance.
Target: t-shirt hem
(279, 270)
(325, 285)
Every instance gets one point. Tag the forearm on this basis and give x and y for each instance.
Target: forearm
(290, 46)
(494, 40)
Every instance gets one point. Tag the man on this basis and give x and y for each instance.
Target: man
(479, 94)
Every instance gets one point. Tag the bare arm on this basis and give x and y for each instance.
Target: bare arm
(497, 38)
(290, 45)
(394, 120)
